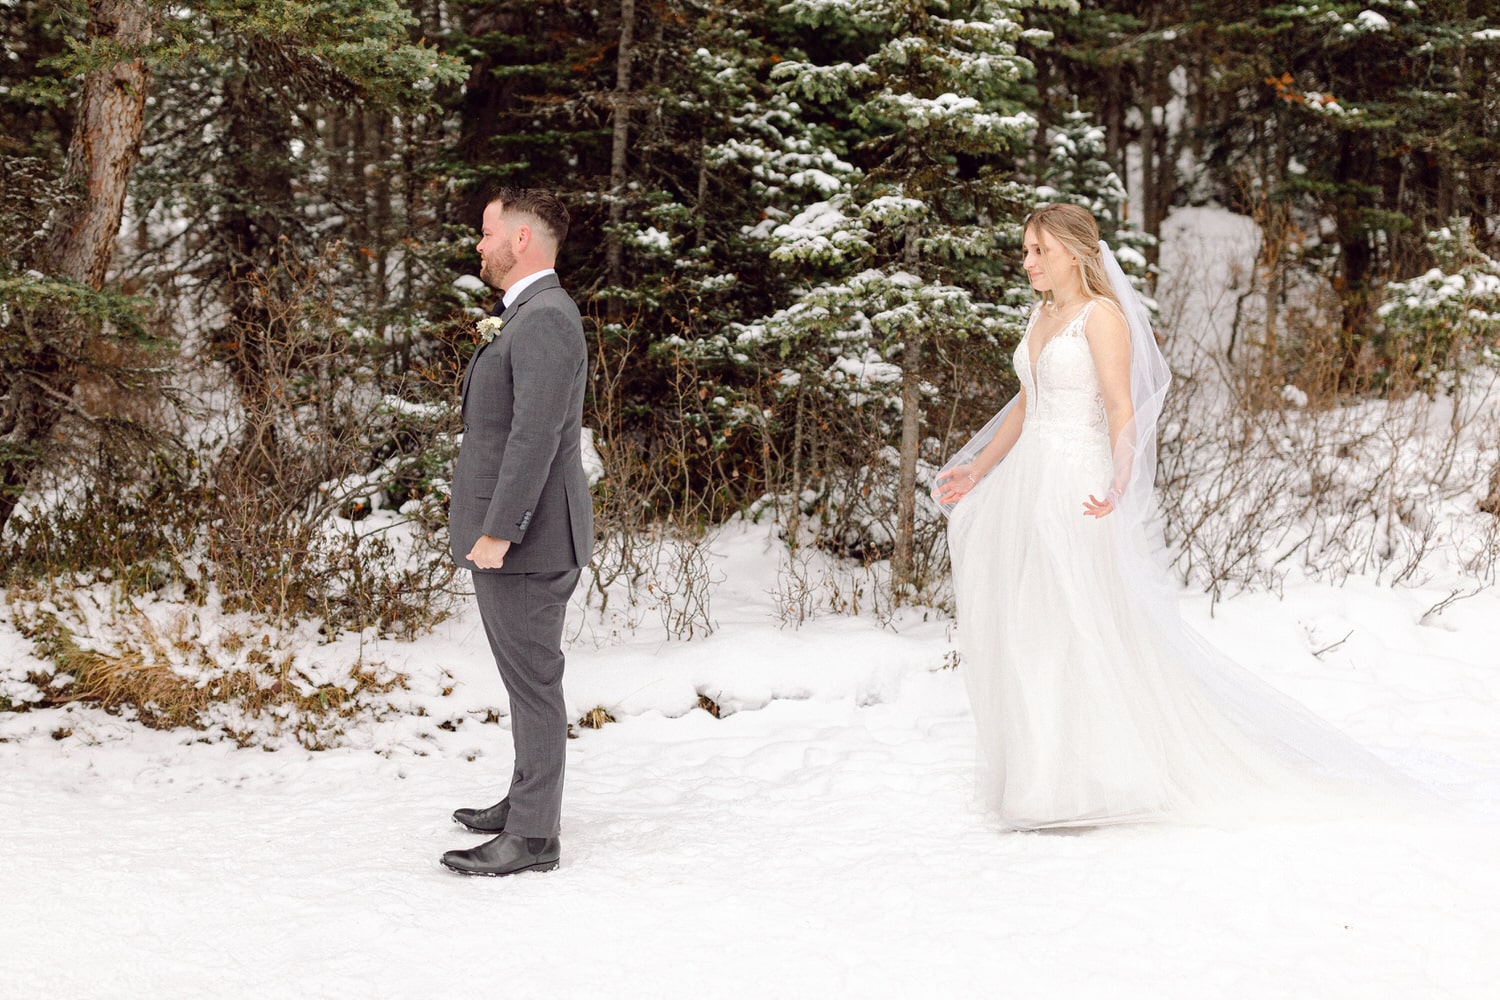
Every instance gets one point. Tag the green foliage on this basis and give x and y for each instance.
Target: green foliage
(23, 294)
(1440, 322)
(819, 199)
(276, 517)
(1348, 130)
(1078, 171)
(897, 259)
(344, 50)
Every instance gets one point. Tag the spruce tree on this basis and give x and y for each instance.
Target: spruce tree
(1078, 171)
(904, 259)
(58, 315)
(1378, 120)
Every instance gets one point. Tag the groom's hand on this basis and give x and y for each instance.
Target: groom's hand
(489, 552)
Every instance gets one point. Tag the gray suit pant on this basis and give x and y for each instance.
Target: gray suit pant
(523, 617)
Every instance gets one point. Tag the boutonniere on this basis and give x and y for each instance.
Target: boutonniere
(488, 327)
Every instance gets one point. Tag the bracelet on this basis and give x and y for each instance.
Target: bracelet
(973, 481)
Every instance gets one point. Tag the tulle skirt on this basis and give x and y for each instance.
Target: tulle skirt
(1088, 707)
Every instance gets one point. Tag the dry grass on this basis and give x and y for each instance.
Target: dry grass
(139, 677)
(596, 718)
(162, 698)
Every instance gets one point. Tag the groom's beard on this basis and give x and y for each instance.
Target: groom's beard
(497, 265)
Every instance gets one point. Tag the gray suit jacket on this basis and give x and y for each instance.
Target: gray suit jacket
(519, 474)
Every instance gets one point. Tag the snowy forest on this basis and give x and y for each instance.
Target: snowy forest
(238, 291)
(238, 286)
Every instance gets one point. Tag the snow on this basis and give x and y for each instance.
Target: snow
(820, 231)
(651, 238)
(820, 838)
(470, 284)
(593, 465)
(819, 180)
(396, 404)
(868, 369)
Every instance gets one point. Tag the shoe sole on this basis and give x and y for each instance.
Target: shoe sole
(545, 866)
(475, 829)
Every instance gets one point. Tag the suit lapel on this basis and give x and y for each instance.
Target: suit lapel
(541, 284)
(505, 315)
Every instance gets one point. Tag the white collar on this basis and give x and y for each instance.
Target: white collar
(514, 292)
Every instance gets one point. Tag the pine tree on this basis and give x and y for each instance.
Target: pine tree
(1078, 171)
(907, 253)
(237, 88)
(1362, 117)
(57, 313)
(665, 250)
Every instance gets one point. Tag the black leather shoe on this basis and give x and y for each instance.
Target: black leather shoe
(507, 854)
(491, 820)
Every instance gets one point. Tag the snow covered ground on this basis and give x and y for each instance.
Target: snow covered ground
(818, 840)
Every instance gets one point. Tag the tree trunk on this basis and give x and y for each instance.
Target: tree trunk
(903, 569)
(1150, 179)
(104, 148)
(1113, 118)
(1358, 260)
(252, 246)
(614, 251)
(102, 151)
(1040, 161)
(487, 100)
(378, 192)
(1168, 147)
(701, 223)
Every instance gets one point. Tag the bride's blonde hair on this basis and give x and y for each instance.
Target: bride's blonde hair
(1076, 230)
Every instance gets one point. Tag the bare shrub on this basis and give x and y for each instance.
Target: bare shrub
(309, 488)
(811, 582)
(794, 424)
(653, 514)
(1299, 463)
(323, 435)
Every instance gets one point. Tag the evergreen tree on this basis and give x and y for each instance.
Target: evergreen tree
(234, 107)
(58, 317)
(1348, 130)
(907, 255)
(665, 251)
(1078, 172)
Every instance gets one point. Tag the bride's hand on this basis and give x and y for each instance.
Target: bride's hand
(960, 480)
(1094, 507)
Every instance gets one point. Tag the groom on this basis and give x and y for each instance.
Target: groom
(520, 515)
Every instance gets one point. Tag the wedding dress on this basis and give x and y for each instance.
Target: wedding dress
(1093, 702)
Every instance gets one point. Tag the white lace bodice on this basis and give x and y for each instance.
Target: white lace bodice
(1063, 401)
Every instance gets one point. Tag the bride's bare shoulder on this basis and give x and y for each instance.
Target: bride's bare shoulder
(1111, 305)
(1107, 322)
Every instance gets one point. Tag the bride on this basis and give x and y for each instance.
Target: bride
(1094, 703)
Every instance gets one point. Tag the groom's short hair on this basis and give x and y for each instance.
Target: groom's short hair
(540, 204)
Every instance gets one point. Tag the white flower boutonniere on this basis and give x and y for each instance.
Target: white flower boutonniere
(488, 327)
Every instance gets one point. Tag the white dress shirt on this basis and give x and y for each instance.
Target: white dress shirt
(514, 292)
